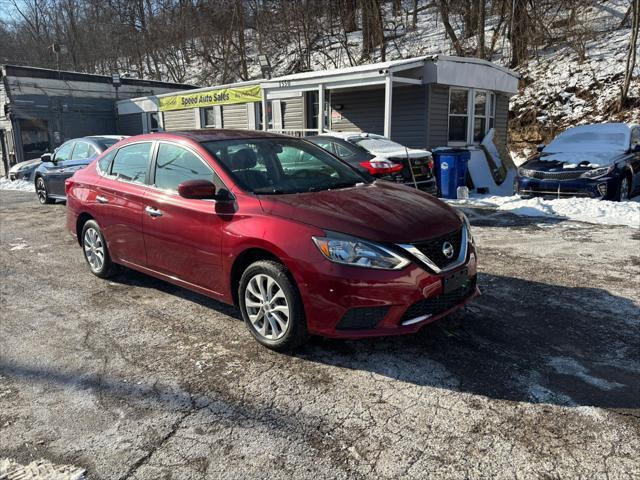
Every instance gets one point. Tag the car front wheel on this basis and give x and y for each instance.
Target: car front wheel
(271, 306)
(95, 250)
(41, 191)
(624, 190)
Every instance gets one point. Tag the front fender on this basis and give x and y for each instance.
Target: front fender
(288, 240)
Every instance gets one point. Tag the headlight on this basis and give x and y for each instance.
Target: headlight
(467, 225)
(598, 172)
(358, 253)
(525, 172)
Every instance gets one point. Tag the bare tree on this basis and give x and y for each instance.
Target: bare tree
(444, 13)
(631, 53)
(519, 31)
(482, 10)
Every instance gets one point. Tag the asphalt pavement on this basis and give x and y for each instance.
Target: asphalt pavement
(135, 378)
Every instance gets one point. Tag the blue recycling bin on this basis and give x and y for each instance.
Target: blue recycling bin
(451, 171)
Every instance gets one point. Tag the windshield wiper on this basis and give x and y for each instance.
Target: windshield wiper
(343, 185)
(334, 186)
(273, 191)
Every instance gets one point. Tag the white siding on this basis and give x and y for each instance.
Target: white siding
(179, 119)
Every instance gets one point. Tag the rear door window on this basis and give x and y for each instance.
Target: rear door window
(326, 144)
(82, 151)
(131, 163)
(343, 152)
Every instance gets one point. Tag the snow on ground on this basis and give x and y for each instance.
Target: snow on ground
(39, 470)
(580, 209)
(16, 185)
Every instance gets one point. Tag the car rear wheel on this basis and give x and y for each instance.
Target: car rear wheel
(41, 191)
(624, 189)
(271, 306)
(95, 250)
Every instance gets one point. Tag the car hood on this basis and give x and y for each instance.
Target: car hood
(380, 211)
(568, 160)
(28, 163)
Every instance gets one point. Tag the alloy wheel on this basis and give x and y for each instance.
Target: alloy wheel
(93, 249)
(41, 190)
(267, 307)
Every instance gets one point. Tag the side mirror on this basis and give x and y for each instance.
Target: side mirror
(46, 157)
(540, 147)
(197, 189)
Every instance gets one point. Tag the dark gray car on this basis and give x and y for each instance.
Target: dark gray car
(68, 158)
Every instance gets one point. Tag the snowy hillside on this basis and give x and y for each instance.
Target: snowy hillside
(574, 80)
(561, 90)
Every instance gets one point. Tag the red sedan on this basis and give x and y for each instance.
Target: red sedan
(297, 239)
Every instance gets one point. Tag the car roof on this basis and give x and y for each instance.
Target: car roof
(111, 137)
(610, 126)
(344, 135)
(200, 136)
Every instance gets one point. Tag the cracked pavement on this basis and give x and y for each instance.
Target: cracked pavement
(135, 378)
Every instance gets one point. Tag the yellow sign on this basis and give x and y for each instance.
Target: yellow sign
(208, 98)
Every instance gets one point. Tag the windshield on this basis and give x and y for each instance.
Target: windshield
(591, 138)
(376, 143)
(281, 165)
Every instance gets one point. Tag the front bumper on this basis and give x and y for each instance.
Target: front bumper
(351, 302)
(20, 175)
(604, 187)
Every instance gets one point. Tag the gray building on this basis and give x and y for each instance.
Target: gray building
(41, 108)
(424, 102)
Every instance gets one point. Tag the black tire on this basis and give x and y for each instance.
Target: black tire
(42, 192)
(624, 191)
(295, 333)
(91, 230)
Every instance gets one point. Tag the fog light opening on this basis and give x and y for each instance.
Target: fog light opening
(602, 188)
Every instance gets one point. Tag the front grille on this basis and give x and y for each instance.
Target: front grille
(538, 175)
(442, 303)
(433, 248)
(361, 318)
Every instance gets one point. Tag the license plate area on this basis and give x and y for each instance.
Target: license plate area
(455, 281)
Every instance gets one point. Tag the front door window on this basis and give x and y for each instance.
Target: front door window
(64, 152)
(175, 165)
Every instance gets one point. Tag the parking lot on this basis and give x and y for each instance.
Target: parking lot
(136, 378)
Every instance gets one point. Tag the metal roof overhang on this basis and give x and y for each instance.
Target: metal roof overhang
(345, 78)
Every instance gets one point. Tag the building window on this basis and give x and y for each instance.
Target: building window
(269, 115)
(458, 114)
(479, 115)
(153, 120)
(492, 110)
(208, 117)
(471, 115)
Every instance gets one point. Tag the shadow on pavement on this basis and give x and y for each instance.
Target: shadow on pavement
(521, 340)
(133, 278)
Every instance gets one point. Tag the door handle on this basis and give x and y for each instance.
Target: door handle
(101, 199)
(153, 212)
